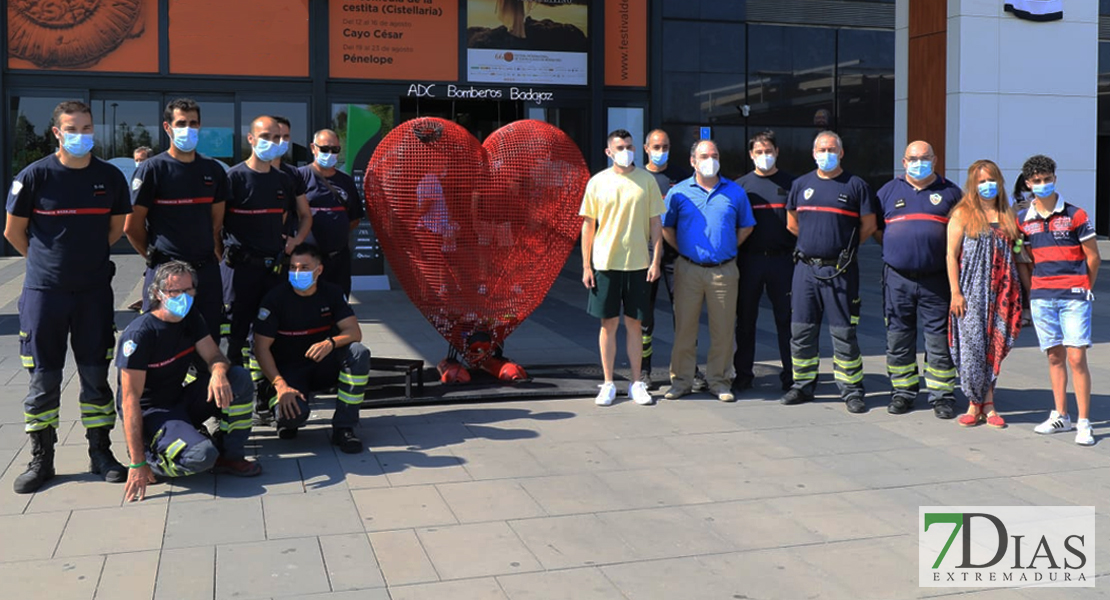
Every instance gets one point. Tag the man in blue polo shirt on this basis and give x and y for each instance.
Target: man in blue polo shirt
(707, 219)
(914, 230)
(832, 212)
(1065, 264)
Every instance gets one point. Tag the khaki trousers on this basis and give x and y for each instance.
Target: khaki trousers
(718, 287)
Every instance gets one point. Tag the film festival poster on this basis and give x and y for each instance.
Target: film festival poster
(527, 41)
(87, 35)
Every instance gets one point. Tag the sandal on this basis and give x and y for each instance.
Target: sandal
(970, 420)
(993, 419)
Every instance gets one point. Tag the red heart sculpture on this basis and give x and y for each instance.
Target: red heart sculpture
(476, 233)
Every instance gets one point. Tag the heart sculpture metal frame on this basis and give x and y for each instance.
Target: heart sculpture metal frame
(476, 233)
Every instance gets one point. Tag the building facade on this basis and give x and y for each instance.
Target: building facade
(720, 68)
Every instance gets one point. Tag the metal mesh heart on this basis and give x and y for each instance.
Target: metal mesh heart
(476, 233)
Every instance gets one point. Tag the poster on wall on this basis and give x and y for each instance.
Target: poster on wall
(527, 41)
(393, 39)
(626, 48)
(360, 127)
(83, 35)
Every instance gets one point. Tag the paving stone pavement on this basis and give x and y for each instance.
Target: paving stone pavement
(553, 499)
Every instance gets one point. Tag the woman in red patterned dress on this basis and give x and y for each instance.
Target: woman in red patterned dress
(986, 293)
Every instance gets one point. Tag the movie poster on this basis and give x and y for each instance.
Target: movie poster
(527, 41)
(117, 36)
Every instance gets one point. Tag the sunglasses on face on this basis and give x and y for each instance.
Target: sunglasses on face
(330, 149)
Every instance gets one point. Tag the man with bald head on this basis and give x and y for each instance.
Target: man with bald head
(832, 212)
(336, 208)
(253, 235)
(707, 219)
(913, 221)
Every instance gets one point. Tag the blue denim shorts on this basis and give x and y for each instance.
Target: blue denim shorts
(1059, 321)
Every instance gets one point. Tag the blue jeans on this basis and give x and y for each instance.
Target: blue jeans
(1062, 322)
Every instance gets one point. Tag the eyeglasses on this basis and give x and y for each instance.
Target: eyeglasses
(329, 149)
(176, 293)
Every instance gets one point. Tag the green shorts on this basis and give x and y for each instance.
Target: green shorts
(614, 289)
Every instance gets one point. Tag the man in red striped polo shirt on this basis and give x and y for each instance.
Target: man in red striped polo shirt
(1062, 241)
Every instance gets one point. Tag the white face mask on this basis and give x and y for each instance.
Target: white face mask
(765, 162)
(708, 167)
(623, 158)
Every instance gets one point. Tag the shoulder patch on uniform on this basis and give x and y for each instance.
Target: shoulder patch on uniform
(935, 199)
(263, 314)
(17, 186)
(808, 193)
(136, 183)
(129, 347)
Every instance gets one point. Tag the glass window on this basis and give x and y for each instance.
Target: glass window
(217, 130)
(681, 48)
(30, 129)
(722, 48)
(1104, 7)
(865, 78)
(1104, 88)
(867, 153)
(123, 125)
(296, 112)
(631, 120)
(790, 75)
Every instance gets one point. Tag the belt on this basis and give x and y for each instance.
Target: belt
(916, 274)
(708, 265)
(817, 261)
(239, 255)
(767, 252)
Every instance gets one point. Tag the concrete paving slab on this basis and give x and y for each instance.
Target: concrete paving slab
(402, 558)
(31, 537)
(471, 589)
(568, 584)
(212, 522)
(451, 550)
(129, 528)
(573, 541)
(350, 562)
(130, 575)
(267, 569)
(312, 513)
(72, 578)
(402, 508)
(478, 501)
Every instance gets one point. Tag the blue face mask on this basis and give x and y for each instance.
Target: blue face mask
(326, 160)
(266, 150)
(301, 280)
(988, 190)
(77, 145)
(919, 169)
(185, 138)
(179, 305)
(827, 161)
(1044, 190)
(659, 158)
(283, 147)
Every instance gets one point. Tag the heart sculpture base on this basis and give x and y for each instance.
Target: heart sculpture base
(476, 233)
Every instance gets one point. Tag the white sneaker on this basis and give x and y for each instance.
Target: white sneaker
(1055, 424)
(1083, 435)
(607, 394)
(639, 393)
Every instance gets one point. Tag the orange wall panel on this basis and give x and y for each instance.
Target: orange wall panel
(626, 24)
(386, 39)
(120, 36)
(239, 37)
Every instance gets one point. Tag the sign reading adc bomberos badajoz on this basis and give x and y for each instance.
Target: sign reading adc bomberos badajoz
(1006, 546)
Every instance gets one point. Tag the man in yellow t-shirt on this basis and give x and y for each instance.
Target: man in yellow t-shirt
(622, 212)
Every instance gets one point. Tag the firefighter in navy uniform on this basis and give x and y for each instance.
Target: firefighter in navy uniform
(64, 213)
(336, 208)
(914, 232)
(831, 211)
(765, 260)
(666, 174)
(178, 200)
(254, 240)
(306, 338)
(163, 411)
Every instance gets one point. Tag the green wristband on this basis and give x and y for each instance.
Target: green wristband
(138, 466)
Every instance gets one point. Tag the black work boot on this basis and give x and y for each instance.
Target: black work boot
(41, 468)
(101, 461)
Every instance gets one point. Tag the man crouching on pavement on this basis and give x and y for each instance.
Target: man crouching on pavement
(161, 411)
